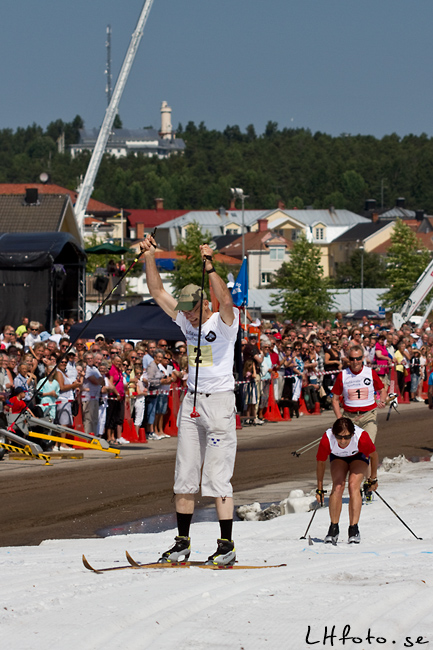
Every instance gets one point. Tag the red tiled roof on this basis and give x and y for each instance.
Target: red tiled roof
(172, 255)
(49, 188)
(152, 218)
(255, 241)
(425, 238)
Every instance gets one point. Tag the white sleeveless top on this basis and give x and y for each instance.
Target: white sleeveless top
(358, 390)
(66, 395)
(352, 447)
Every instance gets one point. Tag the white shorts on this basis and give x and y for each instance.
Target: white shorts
(208, 441)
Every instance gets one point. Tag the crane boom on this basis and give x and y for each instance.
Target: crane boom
(111, 112)
(423, 286)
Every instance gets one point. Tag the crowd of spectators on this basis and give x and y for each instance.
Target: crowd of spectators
(54, 378)
(297, 363)
(301, 361)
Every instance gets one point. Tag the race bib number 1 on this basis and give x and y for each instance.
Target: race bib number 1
(357, 393)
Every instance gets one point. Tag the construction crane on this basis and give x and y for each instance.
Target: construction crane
(422, 288)
(86, 188)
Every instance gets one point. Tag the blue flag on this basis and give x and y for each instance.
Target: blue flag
(240, 290)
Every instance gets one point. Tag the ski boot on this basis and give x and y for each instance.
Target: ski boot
(225, 555)
(181, 549)
(354, 536)
(332, 536)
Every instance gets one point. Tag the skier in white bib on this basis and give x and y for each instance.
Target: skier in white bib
(206, 444)
(350, 450)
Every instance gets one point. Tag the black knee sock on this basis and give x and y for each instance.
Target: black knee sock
(226, 526)
(183, 523)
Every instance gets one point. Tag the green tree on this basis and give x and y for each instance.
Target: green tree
(374, 271)
(406, 260)
(117, 124)
(188, 268)
(354, 189)
(303, 288)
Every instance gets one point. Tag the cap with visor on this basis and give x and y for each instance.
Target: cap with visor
(189, 297)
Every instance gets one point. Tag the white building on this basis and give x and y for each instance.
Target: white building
(122, 142)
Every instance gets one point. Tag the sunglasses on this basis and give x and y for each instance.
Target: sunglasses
(339, 437)
(355, 358)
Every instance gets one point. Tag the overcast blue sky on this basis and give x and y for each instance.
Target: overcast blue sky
(337, 66)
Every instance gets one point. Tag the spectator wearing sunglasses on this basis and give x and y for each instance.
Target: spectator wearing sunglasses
(32, 334)
(358, 385)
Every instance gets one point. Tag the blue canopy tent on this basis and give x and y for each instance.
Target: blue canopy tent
(144, 321)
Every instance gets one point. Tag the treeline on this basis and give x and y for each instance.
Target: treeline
(295, 166)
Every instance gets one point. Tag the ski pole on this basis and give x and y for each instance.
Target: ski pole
(393, 511)
(311, 521)
(194, 413)
(305, 448)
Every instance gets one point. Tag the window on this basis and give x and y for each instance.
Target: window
(276, 253)
(265, 278)
(319, 233)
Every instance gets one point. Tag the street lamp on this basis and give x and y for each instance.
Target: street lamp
(361, 248)
(238, 193)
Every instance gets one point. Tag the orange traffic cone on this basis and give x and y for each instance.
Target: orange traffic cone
(142, 435)
(317, 410)
(286, 413)
(170, 426)
(303, 407)
(272, 412)
(394, 383)
(128, 431)
(78, 419)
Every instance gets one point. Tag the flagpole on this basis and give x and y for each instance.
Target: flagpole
(246, 299)
(240, 289)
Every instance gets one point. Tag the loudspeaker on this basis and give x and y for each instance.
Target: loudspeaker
(59, 280)
(100, 283)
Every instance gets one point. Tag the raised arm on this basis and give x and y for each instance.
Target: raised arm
(219, 287)
(154, 282)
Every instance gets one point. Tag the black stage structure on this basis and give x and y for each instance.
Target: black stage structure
(143, 321)
(42, 276)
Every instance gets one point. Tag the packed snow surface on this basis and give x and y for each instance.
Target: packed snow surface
(378, 594)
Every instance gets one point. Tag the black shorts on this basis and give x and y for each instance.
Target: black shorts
(350, 459)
